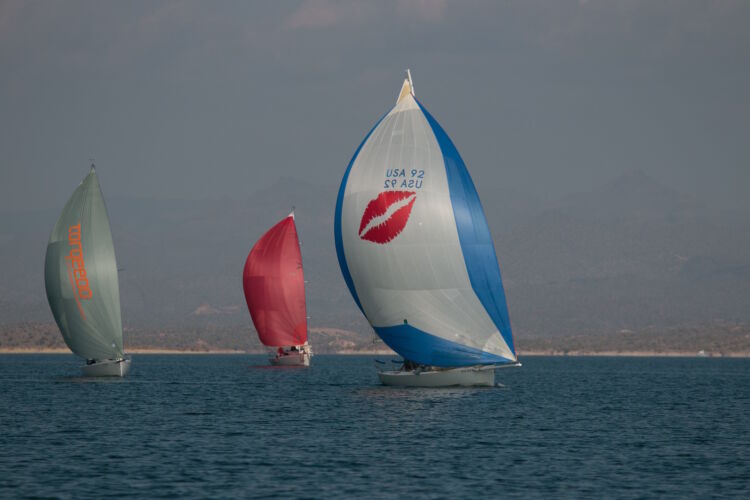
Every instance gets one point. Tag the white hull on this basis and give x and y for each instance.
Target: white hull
(466, 377)
(293, 358)
(107, 368)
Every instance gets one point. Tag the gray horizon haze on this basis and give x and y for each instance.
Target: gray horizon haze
(608, 142)
(196, 99)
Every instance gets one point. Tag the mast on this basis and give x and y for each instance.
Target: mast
(411, 83)
(407, 88)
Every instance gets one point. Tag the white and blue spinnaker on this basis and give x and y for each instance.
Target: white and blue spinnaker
(414, 246)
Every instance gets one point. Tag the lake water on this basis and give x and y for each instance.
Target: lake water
(230, 426)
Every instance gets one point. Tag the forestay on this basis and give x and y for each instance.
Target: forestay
(80, 275)
(414, 246)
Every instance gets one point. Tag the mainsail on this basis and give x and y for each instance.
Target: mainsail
(414, 246)
(274, 286)
(80, 275)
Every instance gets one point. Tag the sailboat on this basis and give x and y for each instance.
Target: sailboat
(80, 277)
(274, 285)
(417, 256)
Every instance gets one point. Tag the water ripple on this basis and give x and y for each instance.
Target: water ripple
(221, 426)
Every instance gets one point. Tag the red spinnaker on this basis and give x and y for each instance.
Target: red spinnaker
(275, 286)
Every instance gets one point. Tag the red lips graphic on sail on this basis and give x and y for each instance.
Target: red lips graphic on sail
(386, 216)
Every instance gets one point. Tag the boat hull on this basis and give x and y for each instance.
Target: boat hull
(107, 368)
(301, 359)
(465, 377)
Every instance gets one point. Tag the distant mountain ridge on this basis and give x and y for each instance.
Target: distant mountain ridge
(630, 196)
(631, 254)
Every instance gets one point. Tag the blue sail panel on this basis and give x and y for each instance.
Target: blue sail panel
(427, 349)
(474, 234)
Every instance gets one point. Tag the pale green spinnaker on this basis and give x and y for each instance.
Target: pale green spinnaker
(80, 275)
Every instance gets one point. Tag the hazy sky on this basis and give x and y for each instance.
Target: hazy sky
(209, 99)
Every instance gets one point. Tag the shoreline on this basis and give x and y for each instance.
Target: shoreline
(521, 354)
(31, 350)
(636, 354)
